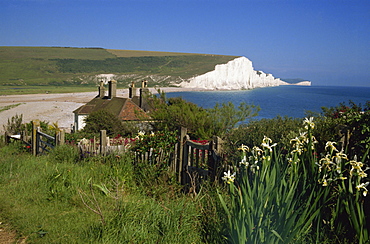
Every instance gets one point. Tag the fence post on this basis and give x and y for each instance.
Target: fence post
(59, 137)
(35, 125)
(215, 149)
(6, 137)
(185, 161)
(103, 142)
(23, 136)
(183, 133)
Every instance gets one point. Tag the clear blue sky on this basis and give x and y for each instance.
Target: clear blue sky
(325, 41)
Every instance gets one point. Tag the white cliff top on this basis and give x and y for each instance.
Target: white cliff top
(236, 74)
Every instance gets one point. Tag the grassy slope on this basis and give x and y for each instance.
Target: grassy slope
(56, 67)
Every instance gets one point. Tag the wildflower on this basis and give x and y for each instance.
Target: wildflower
(362, 174)
(339, 156)
(267, 146)
(257, 150)
(331, 146)
(296, 140)
(326, 162)
(309, 124)
(152, 134)
(363, 186)
(244, 148)
(244, 161)
(266, 140)
(298, 149)
(314, 141)
(356, 166)
(324, 182)
(141, 133)
(268, 158)
(320, 166)
(228, 177)
(254, 167)
(266, 143)
(303, 135)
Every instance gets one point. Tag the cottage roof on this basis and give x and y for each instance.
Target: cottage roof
(123, 108)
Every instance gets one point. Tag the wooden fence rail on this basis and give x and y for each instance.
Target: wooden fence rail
(39, 141)
(192, 162)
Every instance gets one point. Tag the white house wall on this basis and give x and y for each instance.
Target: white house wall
(80, 122)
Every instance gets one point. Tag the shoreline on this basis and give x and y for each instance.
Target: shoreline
(58, 107)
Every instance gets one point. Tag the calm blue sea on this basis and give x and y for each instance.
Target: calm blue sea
(290, 101)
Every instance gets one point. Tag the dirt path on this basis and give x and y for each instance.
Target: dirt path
(9, 236)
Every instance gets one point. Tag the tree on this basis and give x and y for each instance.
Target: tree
(226, 116)
(201, 123)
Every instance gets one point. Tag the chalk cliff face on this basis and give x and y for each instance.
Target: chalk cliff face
(236, 74)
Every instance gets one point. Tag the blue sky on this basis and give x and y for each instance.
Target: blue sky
(324, 41)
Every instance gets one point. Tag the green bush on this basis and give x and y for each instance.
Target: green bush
(278, 129)
(103, 120)
(174, 113)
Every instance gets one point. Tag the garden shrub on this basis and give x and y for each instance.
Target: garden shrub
(104, 120)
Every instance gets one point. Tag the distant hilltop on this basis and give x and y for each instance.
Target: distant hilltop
(235, 75)
(64, 66)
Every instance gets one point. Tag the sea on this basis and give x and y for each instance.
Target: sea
(291, 101)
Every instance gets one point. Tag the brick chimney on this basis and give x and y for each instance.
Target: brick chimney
(132, 90)
(101, 90)
(112, 92)
(144, 83)
(144, 93)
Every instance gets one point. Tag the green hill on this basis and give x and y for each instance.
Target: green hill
(30, 67)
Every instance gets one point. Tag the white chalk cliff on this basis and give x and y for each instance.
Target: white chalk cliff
(236, 74)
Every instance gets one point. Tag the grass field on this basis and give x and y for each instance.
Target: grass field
(64, 66)
(7, 53)
(134, 53)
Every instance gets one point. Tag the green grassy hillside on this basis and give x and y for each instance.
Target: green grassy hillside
(23, 67)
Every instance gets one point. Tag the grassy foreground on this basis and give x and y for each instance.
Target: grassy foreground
(55, 199)
(304, 186)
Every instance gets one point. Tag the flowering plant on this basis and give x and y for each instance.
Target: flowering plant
(281, 197)
(156, 143)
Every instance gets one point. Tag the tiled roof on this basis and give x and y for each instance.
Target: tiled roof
(123, 108)
(131, 111)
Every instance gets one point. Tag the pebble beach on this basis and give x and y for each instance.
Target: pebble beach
(57, 108)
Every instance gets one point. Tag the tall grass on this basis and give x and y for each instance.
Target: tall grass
(59, 199)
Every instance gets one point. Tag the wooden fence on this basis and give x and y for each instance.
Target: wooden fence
(39, 142)
(192, 162)
(101, 146)
(199, 161)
